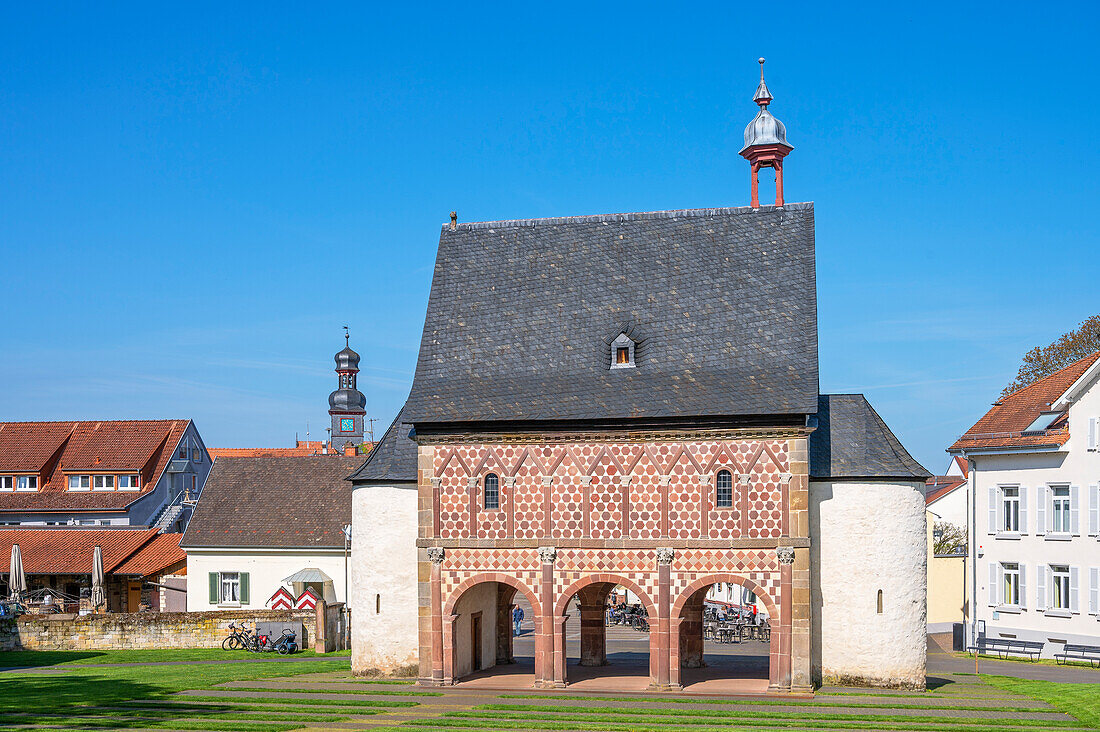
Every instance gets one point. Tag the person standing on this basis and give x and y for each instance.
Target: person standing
(517, 619)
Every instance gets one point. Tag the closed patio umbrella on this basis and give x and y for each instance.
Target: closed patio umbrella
(99, 593)
(17, 580)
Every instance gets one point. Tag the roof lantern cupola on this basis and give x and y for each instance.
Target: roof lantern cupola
(346, 405)
(765, 143)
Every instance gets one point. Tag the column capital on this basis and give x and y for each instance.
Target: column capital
(665, 555)
(785, 554)
(548, 554)
(436, 554)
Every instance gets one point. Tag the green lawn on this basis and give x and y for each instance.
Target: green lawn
(34, 659)
(84, 695)
(1080, 700)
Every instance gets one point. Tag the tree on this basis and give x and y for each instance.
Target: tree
(1070, 347)
(947, 538)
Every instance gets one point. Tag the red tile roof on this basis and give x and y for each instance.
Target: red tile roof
(1003, 425)
(939, 486)
(54, 449)
(313, 447)
(69, 551)
(155, 557)
(964, 466)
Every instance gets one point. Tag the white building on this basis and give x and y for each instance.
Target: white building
(270, 522)
(946, 494)
(1034, 512)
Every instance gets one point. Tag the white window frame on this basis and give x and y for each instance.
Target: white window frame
(82, 482)
(99, 482)
(1012, 589)
(622, 341)
(133, 481)
(1009, 518)
(1094, 510)
(229, 581)
(1059, 510)
(26, 483)
(1059, 588)
(7, 483)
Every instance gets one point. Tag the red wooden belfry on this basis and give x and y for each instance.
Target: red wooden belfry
(765, 143)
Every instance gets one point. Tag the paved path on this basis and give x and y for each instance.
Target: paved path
(943, 662)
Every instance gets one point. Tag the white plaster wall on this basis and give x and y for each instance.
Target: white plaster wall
(266, 570)
(866, 537)
(383, 578)
(479, 598)
(952, 507)
(1076, 466)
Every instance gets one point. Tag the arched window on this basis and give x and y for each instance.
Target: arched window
(492, 491)
(725, 489)
(880, 602)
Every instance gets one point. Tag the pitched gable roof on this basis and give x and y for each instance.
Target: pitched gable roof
(154, 557)
(393, 459)
(1004, 424)
(274, 502)
(939, 486)
(69, 551)
(852, 442)
(721, 304)
(56, 449)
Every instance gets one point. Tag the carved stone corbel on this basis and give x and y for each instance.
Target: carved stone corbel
(437, 482)
(624, 480)
(666, 479)
(784, 478)
(743, 478)
(547, 481)
(586, 480)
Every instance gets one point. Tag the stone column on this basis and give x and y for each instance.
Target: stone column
(675, 637)
(690, 636)
(506, 595)
(435, 556)
(593, 610)
(662, 646)
(561, 679)
(786, 566)
(798, 525)
(546, 645)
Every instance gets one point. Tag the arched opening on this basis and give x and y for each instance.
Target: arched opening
(479, 628)
(605, 635)
(725, 637)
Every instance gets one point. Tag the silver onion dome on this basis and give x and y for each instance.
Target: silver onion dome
(347, 360)
(348, 400)
(765, 129)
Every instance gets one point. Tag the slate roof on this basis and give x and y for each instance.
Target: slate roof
(721, 303)
(69, 551)
(55, 449)
(852, 442)
(1003, 425)
(290, 502)
(393, 460)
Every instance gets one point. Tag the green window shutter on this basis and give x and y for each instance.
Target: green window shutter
(244, 588)
(214, 588)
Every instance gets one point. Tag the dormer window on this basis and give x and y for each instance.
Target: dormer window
(26, 482)
(622, 352)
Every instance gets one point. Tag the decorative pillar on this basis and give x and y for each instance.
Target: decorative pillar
(755, 186)
(785, 555)
(690, 638)
(663, 645)
(593, 609)
(675, 637)
(546, 645)
(435, 556)
(506, 595)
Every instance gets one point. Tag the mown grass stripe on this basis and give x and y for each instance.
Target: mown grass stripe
(304, 702)
(532, 724)
(768, 702)
(516, 711)
(299, 689)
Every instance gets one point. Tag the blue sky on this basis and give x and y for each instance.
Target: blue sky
(196, 198)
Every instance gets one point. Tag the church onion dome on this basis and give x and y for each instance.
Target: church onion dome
(347, 360)
(347, 400)
(765, 129)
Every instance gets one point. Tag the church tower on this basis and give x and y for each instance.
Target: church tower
(765, 143)
(346, 405)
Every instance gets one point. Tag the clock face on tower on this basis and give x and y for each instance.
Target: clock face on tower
(347, 424)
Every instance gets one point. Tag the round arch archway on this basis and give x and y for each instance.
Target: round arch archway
(514, 586)
(578, 586)
(776, 647)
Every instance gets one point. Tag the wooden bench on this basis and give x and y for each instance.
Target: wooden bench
(1003, 646)
(1077, 652)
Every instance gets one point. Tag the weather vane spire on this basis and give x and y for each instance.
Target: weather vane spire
(763, 97)
(347, 337)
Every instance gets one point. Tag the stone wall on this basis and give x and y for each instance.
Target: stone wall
(115, 631)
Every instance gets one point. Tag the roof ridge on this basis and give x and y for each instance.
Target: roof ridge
(77, 422)
(1051, 376)
(627, 216)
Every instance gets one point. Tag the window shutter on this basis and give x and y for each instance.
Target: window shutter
(1094, 426)
(994, 583)
(244, 588)
(1023, 510)
(1041, 587)
(1094, 510)
(1040, 510)
(993, 526)
(1075, 510)
(1023, 585)
(214, 588)
(1094, 590)
(1074, 574)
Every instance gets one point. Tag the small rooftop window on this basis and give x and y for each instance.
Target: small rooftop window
(1043, 421)
(622, 352)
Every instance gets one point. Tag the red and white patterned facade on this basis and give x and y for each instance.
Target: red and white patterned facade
(638, 511)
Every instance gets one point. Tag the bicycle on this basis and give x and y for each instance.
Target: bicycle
(239, 637)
